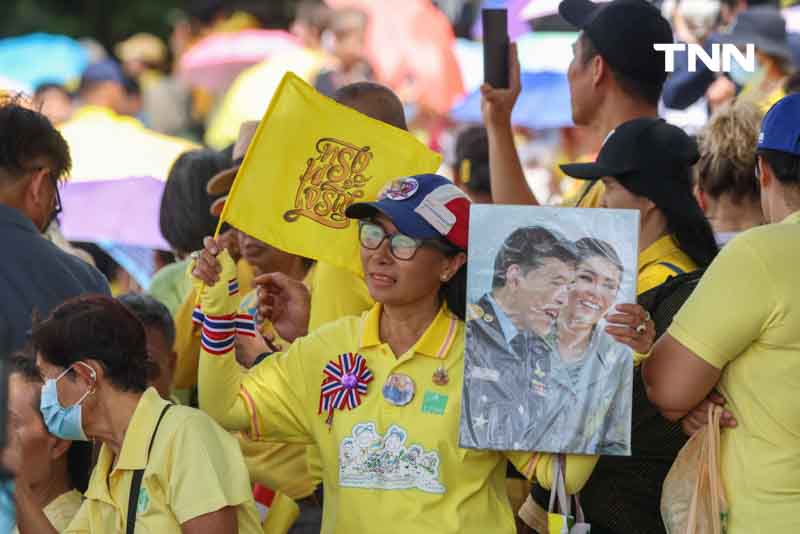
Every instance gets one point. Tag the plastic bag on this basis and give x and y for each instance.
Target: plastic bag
(564, 522)
(693, 498)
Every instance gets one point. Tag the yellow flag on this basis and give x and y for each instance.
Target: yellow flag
(309, 160)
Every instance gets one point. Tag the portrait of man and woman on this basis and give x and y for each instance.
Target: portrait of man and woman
(541, 374)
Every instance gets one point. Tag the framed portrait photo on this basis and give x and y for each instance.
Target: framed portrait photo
(540, 372)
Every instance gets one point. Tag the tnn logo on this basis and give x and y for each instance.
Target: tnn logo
(718, 61)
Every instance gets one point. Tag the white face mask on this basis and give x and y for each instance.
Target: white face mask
(740, 76)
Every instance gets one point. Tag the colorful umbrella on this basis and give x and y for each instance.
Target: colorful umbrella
(124, 211)
(250, 94)
(107, 146)
(410, 45)
(517, 25)
(544, 103)
(216, 60)
(37, 58)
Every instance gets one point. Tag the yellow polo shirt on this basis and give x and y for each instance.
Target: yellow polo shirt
(61, 510)
(744, 319)
(386, 468)
(661, 260)
(589, 196)
(195, 468)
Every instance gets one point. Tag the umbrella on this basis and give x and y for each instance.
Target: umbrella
(544, 103)
(123, 211)
(106, 146)
(250, 94)
(216, 60)
(517, 24)
(537, 51)
(542, 8)
(37, 58)
(410, 46)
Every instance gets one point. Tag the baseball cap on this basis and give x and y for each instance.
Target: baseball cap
(425, 206)
(624, 32)
(780, 129)
(106, 70)
(648, 156)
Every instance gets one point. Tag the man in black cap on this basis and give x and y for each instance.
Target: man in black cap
(616, 75)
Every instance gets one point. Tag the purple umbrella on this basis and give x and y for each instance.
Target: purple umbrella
(516, 24)
(124, 211)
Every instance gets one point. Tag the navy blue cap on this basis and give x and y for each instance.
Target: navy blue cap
(780, 129)
(424, 206)
(107, 70)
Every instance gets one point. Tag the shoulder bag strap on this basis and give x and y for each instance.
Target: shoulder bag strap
(136, 482)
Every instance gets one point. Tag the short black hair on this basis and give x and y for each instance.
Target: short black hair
(527, 247)
(590, 247)
(152, 314)
(473, 145)
(649, 92)
(785, 166)
(100, 328)
(26, 135)
(373, 100)
(79, 455)
(184, 216)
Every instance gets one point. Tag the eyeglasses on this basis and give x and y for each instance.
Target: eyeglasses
(401, 246)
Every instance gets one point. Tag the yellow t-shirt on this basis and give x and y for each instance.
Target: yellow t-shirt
(661, 260)
(590, 196)
(387, 468)
(336, 293)
(195, 468)
(61, 510)
(744, 318)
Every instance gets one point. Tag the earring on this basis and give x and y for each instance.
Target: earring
(444, 277)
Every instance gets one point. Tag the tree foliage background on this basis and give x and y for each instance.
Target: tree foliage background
(110, 21)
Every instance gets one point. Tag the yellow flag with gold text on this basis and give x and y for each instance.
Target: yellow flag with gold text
(311, 158)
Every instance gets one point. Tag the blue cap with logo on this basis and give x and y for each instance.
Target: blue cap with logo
(422, 206)
(780, 129)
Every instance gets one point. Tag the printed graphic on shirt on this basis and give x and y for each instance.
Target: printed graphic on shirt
(144, 501)
(371, 461)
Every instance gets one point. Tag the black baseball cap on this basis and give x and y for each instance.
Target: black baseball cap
(624, 32)
(648, 156)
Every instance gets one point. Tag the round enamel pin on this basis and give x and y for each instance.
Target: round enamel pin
(401, 189)
(398, 389)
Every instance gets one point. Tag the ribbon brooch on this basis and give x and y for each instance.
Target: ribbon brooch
(345, 381)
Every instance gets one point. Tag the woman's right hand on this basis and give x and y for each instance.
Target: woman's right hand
(286, 303)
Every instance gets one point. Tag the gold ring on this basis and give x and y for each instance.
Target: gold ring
(641, 329)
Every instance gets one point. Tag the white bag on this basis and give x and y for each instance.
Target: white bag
(564, 522)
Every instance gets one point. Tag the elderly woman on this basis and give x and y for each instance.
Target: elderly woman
(590, 411)
(51, 473)
(161, 467)
(390, 454)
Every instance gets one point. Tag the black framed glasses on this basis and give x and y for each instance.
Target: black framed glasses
(402, 247)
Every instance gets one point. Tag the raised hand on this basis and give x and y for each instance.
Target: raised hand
(285, 302)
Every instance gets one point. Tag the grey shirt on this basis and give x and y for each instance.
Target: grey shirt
(590, 413)
(35, 276)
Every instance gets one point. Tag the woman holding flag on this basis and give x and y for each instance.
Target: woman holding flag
(379, 394)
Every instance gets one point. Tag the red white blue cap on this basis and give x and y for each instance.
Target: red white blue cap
(424, 206)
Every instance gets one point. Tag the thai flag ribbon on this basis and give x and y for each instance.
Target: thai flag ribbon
(345, 381)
